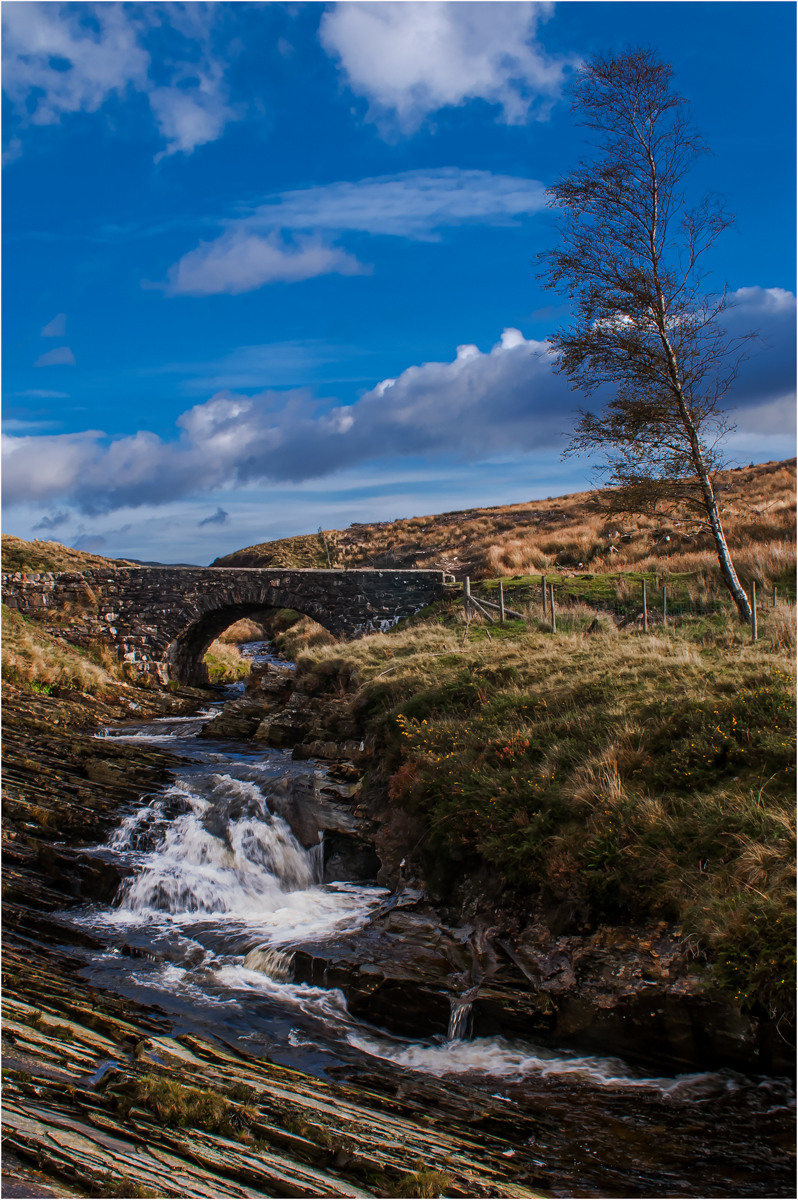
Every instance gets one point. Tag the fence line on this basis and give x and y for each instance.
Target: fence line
(665, 606)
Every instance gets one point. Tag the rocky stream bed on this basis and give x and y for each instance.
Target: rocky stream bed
(220, 980)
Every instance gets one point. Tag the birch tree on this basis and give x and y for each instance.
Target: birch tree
(631, 260)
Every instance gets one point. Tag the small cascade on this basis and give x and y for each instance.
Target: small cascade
(460, 1021)
(316, 856)
(277, 964)
(224, 853)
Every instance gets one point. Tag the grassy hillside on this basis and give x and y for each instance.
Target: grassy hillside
(34, 659)
(603, 777)
(30, 557)
(566, 535)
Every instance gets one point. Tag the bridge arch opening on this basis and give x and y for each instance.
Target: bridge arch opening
(185, 657)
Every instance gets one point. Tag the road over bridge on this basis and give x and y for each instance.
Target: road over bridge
(161, 620)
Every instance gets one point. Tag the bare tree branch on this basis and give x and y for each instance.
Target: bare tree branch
(631, 261)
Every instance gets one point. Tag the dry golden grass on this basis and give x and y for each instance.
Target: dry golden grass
(567, 533)
(304, 634)
(34, 659)
(225, 663)
(244, 630)
(30, 557)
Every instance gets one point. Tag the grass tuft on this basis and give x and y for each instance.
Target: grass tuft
(225, 663)
(421, 1185)
(174, 1104)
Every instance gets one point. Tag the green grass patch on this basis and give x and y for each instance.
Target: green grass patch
(615, 776)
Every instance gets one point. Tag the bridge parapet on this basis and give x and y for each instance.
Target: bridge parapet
(161, 620)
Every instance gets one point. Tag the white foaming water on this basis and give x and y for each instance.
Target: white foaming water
(512, 1062)
(460, 1015)
(210, 853)
(277, 964)
(226, 855)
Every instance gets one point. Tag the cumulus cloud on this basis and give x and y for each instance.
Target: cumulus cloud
(410, 58)
(415, 204)
(56, 327)
(473, 406)
(62, 356)
(218, 518)
(768, 372)
(240, 262)
(478, 405)
(62, 58)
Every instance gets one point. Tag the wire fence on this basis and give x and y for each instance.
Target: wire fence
(651, 604)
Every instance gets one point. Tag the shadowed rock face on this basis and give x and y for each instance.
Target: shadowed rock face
(161, 621)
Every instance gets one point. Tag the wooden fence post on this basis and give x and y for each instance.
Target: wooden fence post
(664, 605)
(753, 611)
(553, 617)
(645, 610)
(466, 595)
(543, 585)
(774, 595)
(501, 601)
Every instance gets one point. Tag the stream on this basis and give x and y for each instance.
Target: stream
(216, 889)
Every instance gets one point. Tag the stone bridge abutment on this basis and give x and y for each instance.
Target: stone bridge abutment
(161, 620)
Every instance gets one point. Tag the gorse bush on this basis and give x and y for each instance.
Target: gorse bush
(611, 777)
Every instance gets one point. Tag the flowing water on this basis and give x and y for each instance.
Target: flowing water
(216, 891)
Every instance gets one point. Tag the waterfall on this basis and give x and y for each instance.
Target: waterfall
(316, 855)
(460, 1016)
(277, 964)
(225, 852)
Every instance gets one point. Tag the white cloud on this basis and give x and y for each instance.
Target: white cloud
(275, 364)
(414, 204)
(503, 402)
(43, 394)
(240, 262)
(56, 327)
(472, 407)
(412, 57)
(20, 425)
(12, 151)
(61, 59)
(62, 356)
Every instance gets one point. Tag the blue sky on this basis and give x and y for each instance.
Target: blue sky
(226, 226)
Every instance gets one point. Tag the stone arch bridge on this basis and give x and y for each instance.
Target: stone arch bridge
(161, 620)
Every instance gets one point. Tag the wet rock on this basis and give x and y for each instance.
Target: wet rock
(310, 809)
(271, 680)
(81, 1106)
(238, 719)
(349, 859)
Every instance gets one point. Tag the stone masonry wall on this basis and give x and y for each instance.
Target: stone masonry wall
(161, 620)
